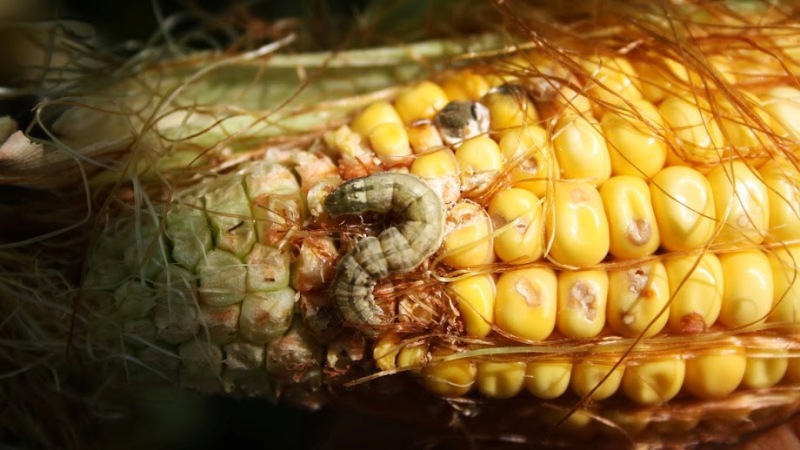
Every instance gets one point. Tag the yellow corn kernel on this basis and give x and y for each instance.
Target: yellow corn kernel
(385, 351)
(525, 305)
(548, 379)
(480, 161)
(741, 131)
(582, 298)
(684, 207)
(440, 171)
(638, 299)
(509, 107)
(579, 226)
(375, 114)
(696, 292)
(653, 382)
(715, 373)
(465, 85)
(785, 265)
(450, 378)
(612, 82)
(413, 356)
(631, 220)
(587, 377)
(530, 157)
(423, 136)
(500, 379)
(475, 297)
(748, 291)
(390, 142)
(566, 103)
(695, 136)
(581, 150)
(741, 201)
(782, 103)
(783, 193)
(635, 140)
(468, 236)
(422, 101)
(517, 216)
(765, 371)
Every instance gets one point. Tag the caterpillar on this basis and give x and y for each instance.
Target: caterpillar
(399, 248)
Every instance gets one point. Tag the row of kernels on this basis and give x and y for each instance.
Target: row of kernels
(709, 374)
(687, 294)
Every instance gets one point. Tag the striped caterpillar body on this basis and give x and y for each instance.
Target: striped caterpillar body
(395, 249)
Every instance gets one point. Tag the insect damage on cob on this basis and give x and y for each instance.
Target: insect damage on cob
(617, 249)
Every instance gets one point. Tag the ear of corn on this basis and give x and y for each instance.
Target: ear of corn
(619, 256)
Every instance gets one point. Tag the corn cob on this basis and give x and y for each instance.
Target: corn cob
(621, 246)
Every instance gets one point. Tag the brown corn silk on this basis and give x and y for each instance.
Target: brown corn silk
(216, 275)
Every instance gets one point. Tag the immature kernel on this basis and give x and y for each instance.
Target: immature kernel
(587, 376)
(375, 114)
(422, 101)
(653, 382)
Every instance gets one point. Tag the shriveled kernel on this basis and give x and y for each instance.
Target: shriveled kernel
(631, 220)
(423, 136)
(475, 297)
(468, 236)
(267, 269)
(525, 306)
(422, 101)
(509, 107)
(636, 144)
(450, 378)
(530, 158)
(638, 299)
(440, 170)
(715, 373)
(765, 371)
(654, 381)
(188, 230)
(600, 379)
(581, 150)
(375, 114)
(480, 161)
(548, 379)
(696, 288)
(390, 142)
(695, 136)
(748, 291)
(517, 216)
(220, 323)
(785, 265)
(741, 201)
(579, 226)
(683, 204)
(783, 193)
(500, 379)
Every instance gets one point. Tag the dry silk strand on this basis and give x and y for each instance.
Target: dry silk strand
(399, 248)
